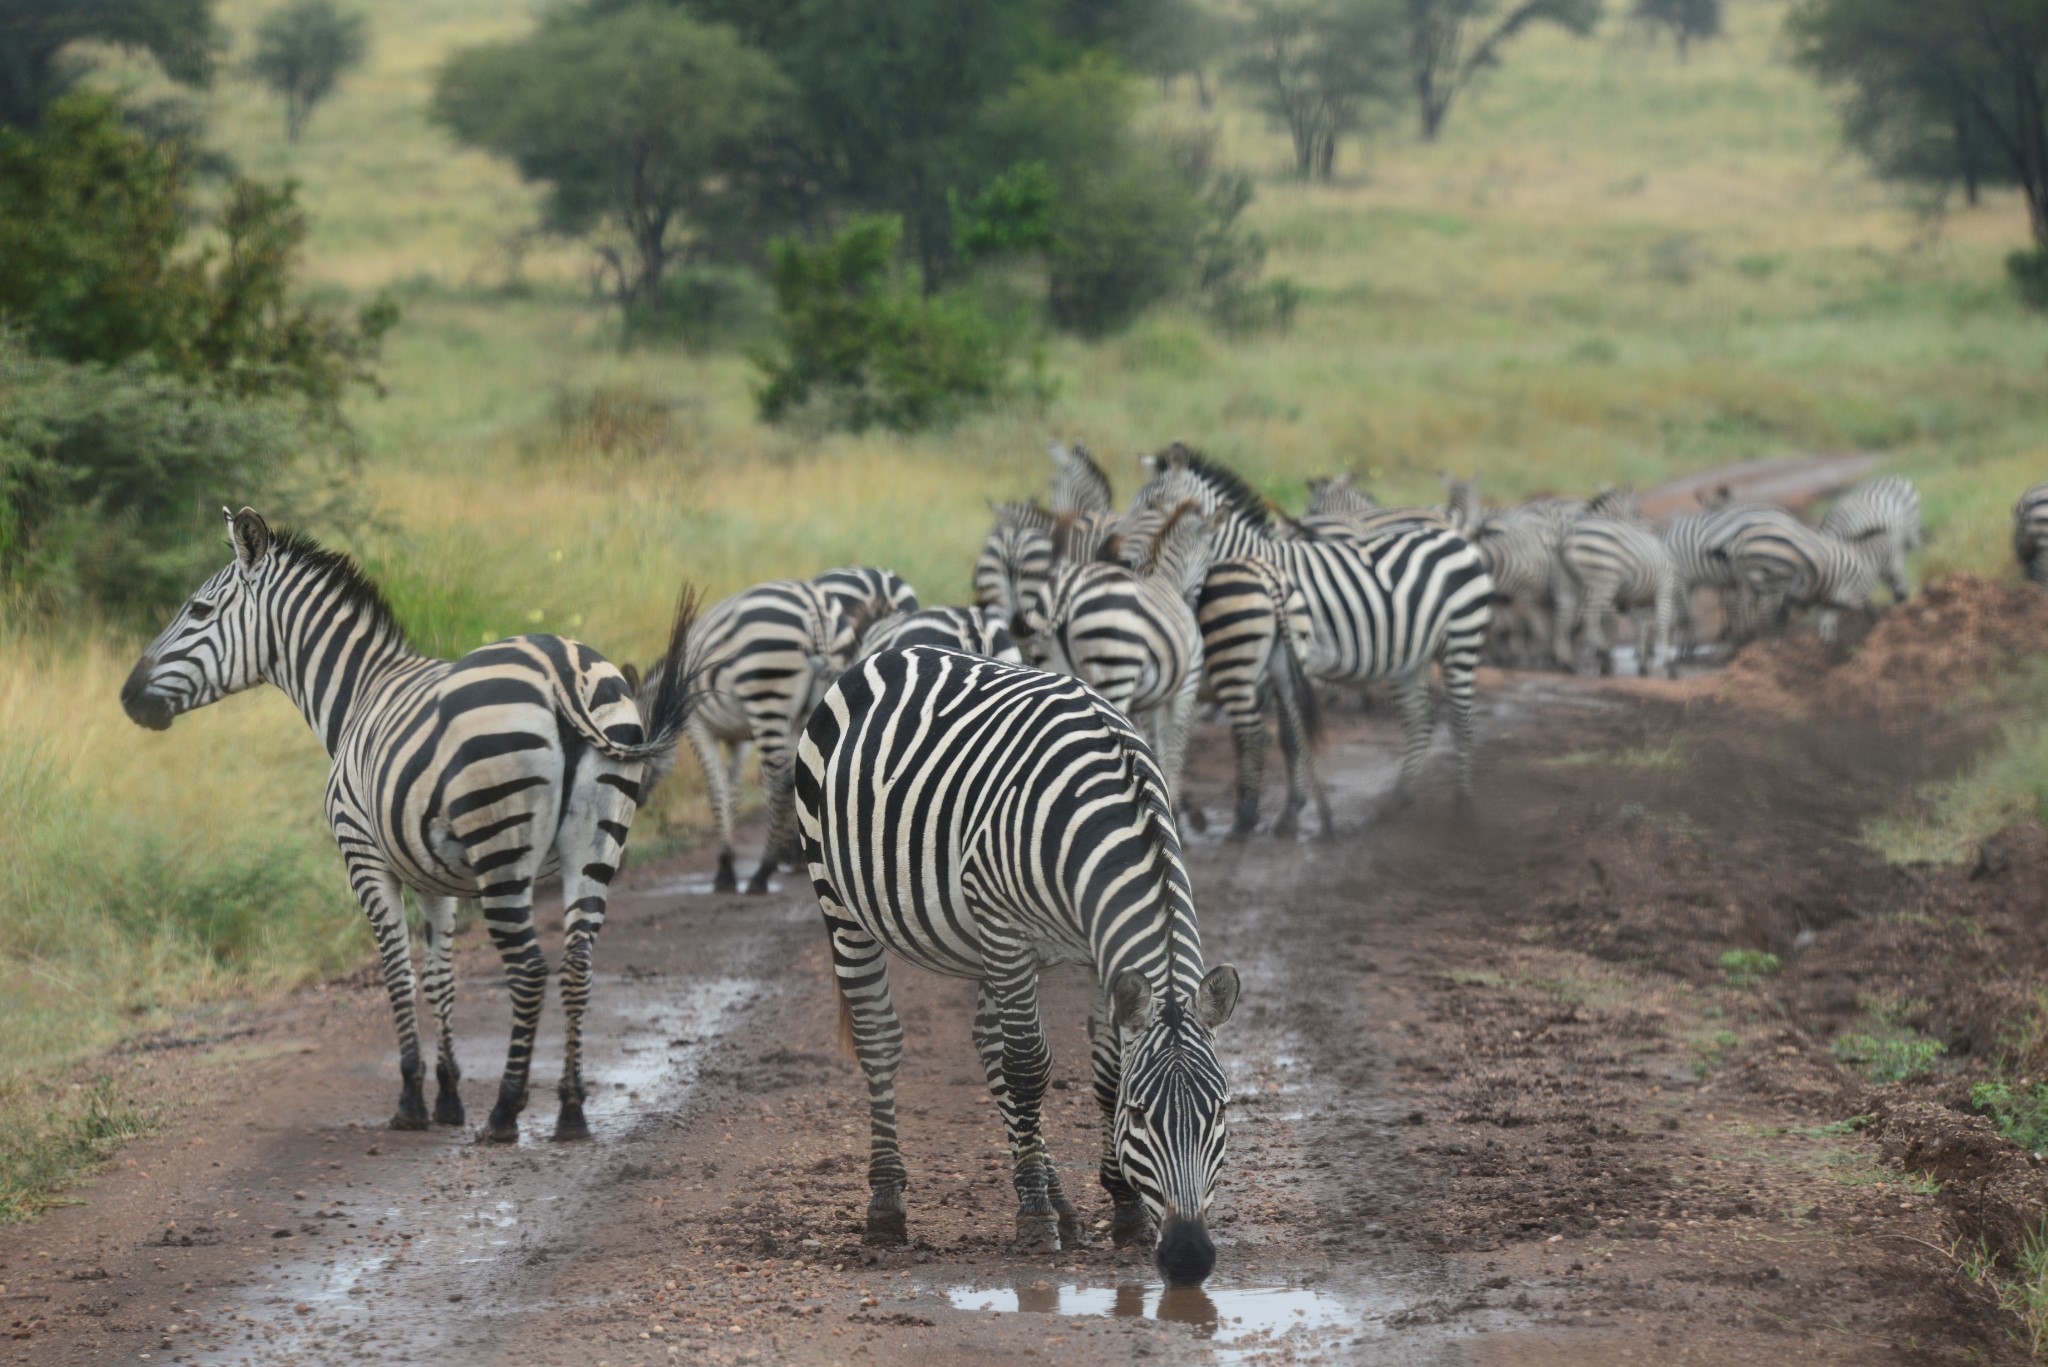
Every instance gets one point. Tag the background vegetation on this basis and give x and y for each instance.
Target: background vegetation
(1608, 265)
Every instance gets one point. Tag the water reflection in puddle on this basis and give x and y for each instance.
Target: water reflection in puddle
(1234, 1318)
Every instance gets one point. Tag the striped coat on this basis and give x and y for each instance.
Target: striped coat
(1611, 565)
(1801, 566)
(2030, 533)
(1886, 507)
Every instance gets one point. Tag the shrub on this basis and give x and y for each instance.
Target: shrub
(862, 341)
(2020, 1115)
(703, 307)
(1890, 1057)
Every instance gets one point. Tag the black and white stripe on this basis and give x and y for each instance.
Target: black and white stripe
(1611, 565)
(471, 778)
(985, 821)
(866, 594)
(1699, 544)
(2030, 533)
(1257, 641)
(975, 631)
(1523, 567)
(1884, 506)
(1015, 561)
(1801, 566)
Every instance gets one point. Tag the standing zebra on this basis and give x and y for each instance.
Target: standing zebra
(2030, 533)
(1611, 564)
(1384, 609)
(1886, 506)
(763, 656)
(467, 778)
(1699, 545)
(1802, 566)
(1015, 561)
(1522, 565)
(986, 821)
(970, 630)
(865, 594)
(1131, 634)
(1257, 642)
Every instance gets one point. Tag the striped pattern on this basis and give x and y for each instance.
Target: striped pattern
(471, 778)
(1385, 609)
(1612, 566)
(865, 594)
(1699, 544)
(1257, 641)
(2030, 533)
(1078, 483)
(1886, 507)
(1523, 566)
(1015, 561)
(985, 821)
(762, 656)
(1801, 566)
(1339, 496)
(1132, 635)
(971, 630)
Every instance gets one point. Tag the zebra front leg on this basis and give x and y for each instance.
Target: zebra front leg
(1295, 701)
(508, 916)
(1032, 1228)
(777, 781)
(1563, 622)
(438, 926)
(1459, 665)
(1411, 697)
(1129, 1222)
(861, 971)
(377, 890)
(721, 788)
(589, 845)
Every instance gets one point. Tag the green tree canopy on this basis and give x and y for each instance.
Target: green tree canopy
(1687, 21)
(302, 49)
(1321, 68)
(635, 120)
(36, 65)
(1451, 41)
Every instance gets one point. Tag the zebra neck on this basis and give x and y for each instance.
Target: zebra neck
(1159, 943)
(327, 658)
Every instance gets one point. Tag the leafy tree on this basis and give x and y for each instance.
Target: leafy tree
(861, 338)
(634, 119)
(36, 38)
(1687, 21)
(302, 49)
(1451, 41)
(1956, 91)
(1321, 67)
(96, 265)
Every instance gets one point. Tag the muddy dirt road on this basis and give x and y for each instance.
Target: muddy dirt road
(1494, 1100)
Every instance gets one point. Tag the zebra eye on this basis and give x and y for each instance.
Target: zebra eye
(200, 610)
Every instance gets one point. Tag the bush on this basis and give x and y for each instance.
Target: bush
(2020, 1115)
(1889, 1057)
(1748, 967)
(862, 341)
(2028, 271)
(703, 307)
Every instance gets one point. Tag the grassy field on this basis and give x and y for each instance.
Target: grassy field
(1613, 267)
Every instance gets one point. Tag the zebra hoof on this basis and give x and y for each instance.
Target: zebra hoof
(757, 886)
(1130, 1225)
(1038, 1233)
(1073, 1233)
(406, 1119)
(1286, 827)
(888, 1221)
(448, 1109)
(1197, 819)
(502, 1127)
(570, 1125)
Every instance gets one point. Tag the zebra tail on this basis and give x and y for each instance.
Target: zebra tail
(675, 696)
(1291, 676)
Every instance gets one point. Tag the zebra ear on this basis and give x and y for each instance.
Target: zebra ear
(632, 673)
(1133, 996)
(251, 537)
(1216, 998)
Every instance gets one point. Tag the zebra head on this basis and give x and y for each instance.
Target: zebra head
(210, 649)
(1169, 1133)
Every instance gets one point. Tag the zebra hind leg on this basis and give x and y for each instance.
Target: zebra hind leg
(383, 902)
(1048, 1220)
(508, 915)
(720, 788)
(1129, 1223)
(776, 779)
(861, 970)
(1411, 695)
(438, 924)
(1248, 742)
(589, 845)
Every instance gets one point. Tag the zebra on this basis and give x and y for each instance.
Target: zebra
(763, 655)
(1131, 634)
(469, 778)
(1887, 506)
(2030, 533)
(986, 821)
(865, 594)
(1078, 483)
(973, 631)
(1699, 542)
(1338, 495)
(1784, 566)
(1610, 564)
(1257, 641)
(1384, 609)
(1015, 561)
(1522, 565)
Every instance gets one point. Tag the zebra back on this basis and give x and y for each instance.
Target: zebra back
(973, 631)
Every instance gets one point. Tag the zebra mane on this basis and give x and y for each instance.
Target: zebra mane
(351, 582)
(1228, 484)
(1078, 468)
(1031, 516)
(1160, 537)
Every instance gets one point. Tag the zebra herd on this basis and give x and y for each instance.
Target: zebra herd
(982, 791)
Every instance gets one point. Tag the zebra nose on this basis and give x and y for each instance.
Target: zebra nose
(1186, 1254)
(144, 708)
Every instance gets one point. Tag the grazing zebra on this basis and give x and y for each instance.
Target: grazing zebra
(1610, 564)
(1802, 566)
(1522, 565)
(971, 630)
(986, 821)
(1699, 545)
(1886, 506)
(1257, 641)
(762, 656)
(865, 594)
(2030, 533)
(1381, 610)
(1015, 561)
(1131, 634)
(470, 778)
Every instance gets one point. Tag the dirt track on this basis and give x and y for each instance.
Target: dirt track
(1495, 1100)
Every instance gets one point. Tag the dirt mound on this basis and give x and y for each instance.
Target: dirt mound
(1996, 1189)
(1959, 633)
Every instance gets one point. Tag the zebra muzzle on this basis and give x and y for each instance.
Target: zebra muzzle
(143, 707)
(1186, 1254)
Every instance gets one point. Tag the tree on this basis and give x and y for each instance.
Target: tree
(1321, 67)
(1939, 93)
(1687, 21)
(633, 120)
(1451, 41)
(36, 38)
(302, 49)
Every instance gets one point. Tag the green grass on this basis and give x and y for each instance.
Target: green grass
(1950, 819)
(1748, 967)
(47, 1146)
(2020, 1284)
(1611, 268)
